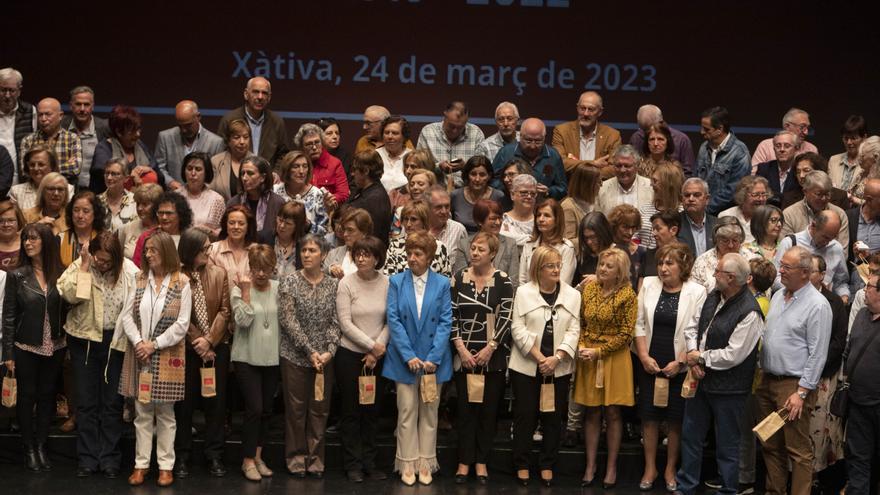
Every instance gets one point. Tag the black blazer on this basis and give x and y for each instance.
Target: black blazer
(686, 235)
(839, 322)
(375, 200)
(852, 215)
(24, 310)
(770, 171)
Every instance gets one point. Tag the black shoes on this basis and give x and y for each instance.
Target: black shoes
(376, 475)
(30, 459)
(181, 470)
(461, 479)
(84, 472)
(316, 474)
(43, 457)
(216, 468)
(355, 476)
(111, 473)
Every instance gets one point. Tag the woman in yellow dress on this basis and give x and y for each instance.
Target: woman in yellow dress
(608, 317)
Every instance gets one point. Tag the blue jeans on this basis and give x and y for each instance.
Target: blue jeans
(725, 412)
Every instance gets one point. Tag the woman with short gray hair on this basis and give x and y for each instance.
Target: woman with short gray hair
(327, 171)
(519, 222)
(728, 237)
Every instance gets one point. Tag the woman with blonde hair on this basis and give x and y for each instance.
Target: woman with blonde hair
(544, 332)
(604, 376)
(53, 195)
(418, 159)
(666, 181)
(420, 181)
(155, 319)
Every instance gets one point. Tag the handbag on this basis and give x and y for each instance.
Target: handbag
(839, 404)
(367, 387)
(476, 385)
(10, 389)
(208, 375)
(771, 424)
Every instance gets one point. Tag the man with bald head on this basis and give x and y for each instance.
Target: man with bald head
(864, 223)
(817, 197)
(585, 140)
(187, 136)
(649, 115)
(820, 239)
(795, 120)
(67, 146)
(545, 161)
(268, 134)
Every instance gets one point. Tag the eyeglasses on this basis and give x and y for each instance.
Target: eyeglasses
(533, 141)
(718, 270)
(758, 195)
(314, 144)
(528, 194)
(800, 127)
(775, 220)
(788, 267)
(371, 122)
(8, 221)
(822, 194)
(552, 266)
(875, 286)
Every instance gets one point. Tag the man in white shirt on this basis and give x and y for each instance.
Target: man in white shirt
(442, 226)
(626, 186)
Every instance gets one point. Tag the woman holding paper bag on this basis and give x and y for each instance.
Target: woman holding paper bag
(482, 297)
(419, 357)
(666, 304)
(155, 319)
(33, 338)
(254, 353)
(544, 329)
(604, 370)
(360, 304)
(309, 336)
(97, 285)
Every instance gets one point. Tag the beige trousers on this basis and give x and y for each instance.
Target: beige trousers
(159, 418)
(416, 431)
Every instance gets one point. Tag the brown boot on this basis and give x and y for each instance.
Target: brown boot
(137, 477)
(165, 478)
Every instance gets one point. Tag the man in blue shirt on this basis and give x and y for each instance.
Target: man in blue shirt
(795, 348)
(722, 160)
(545, 161)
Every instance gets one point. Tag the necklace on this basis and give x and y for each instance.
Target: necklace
(265, 312)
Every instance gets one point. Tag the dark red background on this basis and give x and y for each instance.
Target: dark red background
(756, 59)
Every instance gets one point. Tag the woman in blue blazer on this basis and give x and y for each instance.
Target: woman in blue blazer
(419, 320)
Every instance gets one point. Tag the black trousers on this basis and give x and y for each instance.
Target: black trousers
(357, 423)
(476, 423)
(214, 407)
(96, 371)
(526, 409)
(36, 376)
(862, 447)
(257, 385)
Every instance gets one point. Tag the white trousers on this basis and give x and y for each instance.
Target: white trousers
(159, 418)
(416, 431)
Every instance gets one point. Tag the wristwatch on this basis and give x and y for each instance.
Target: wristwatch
(701, 361)
(493, 344)
(802, 394)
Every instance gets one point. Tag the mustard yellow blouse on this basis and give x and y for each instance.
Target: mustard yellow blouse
(607, 323)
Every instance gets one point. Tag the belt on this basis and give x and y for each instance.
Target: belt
(780, 377)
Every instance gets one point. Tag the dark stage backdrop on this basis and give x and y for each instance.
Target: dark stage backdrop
(335, 57)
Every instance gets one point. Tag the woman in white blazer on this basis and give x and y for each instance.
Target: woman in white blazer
(666, 304)
(545, 329)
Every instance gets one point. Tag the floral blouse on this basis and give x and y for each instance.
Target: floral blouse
(307, 315)
(313, 200)
(127, 210)
(607, 323)
(395, 261)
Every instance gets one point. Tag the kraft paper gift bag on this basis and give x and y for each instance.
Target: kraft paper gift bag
(689, 387)
(770, 425)
(661, 391)
(476, 384)
(366, 387)
(548, 396)
(319, 386)
(209, 380)
(428, 388)
(10, 389)
(145, 387)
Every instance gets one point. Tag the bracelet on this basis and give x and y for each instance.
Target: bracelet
(493, 344)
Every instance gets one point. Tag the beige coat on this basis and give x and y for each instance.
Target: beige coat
(530, 313)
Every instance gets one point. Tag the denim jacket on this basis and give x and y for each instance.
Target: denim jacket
(732, 163)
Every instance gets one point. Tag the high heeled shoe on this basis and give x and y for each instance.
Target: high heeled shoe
(548, 482)
(30, 459)
(43, 457)
(523, 481)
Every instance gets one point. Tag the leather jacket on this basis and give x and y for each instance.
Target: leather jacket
(25, 308)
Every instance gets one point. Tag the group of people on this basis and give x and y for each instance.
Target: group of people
(596, 278)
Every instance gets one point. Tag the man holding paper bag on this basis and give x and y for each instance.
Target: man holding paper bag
(794, 352)
(722, 341)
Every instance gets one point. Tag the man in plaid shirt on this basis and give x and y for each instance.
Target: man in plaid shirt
(66, 144)
(452, 141)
